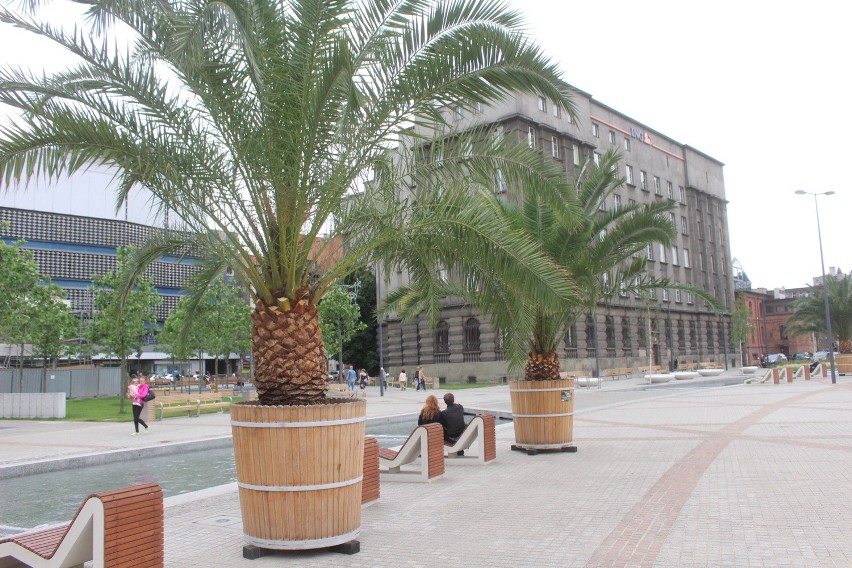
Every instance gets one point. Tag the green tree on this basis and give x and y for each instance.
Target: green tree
(264, 128)
(363, 347)
(120, 324)
(339, 319)
(216, 320)
(52, 325)
(19, 276)
(740, 327)
(809, 314)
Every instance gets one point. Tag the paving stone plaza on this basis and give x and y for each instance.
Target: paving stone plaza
(684, 475)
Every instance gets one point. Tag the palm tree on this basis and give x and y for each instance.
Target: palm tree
(600, 249)
(809, 314)
(264, 129)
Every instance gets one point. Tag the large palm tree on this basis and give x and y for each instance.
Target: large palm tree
(809, 316)
(600, 249)
(264, 128)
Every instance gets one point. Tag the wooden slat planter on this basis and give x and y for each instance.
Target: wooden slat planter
(370, 484)
(844, 364)
(299, 473)
(543, 414)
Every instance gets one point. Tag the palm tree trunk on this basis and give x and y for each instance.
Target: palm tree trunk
(845, 346)
(542, 367)
(289, 354)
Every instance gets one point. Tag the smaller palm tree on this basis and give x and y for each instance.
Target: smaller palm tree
(809, 314)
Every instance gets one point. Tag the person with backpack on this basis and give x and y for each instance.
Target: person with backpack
(140, 393)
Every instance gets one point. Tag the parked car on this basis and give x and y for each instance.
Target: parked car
(774, 359)
(801, 356)
(823, 355)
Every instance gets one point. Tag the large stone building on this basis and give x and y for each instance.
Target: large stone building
(632, 332)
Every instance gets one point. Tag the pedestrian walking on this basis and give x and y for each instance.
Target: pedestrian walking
(137, 391)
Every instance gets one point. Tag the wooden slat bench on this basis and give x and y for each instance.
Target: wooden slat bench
(574, 374)
(651, 369)
(432, 382)
(425, 442)
(616, 372)
(337, 389)
(479, 435)
(370, 483)
(710, 365)
(116, 528)
(191, 402)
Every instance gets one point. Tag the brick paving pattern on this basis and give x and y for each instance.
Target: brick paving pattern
(753, 476)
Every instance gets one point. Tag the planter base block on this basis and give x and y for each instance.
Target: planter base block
(252, 552)
(531, 451)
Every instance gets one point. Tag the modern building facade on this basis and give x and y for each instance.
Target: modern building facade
(74, 229)
(632, 331)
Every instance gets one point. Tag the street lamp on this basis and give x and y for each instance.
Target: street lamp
(824, 289)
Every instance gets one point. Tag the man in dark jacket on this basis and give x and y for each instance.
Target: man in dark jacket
(452, 419)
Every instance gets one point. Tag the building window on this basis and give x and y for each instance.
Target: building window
(612, 137)
(669, 190)
(478, 108)
(626, 337)
(442, 342)
(681, 194)
(701, 260)
(627, 144)
(531, 137)
(458, 113)
(616, 202)
(596, 157)
(699, 230)
(575, 150)
(674, 255)
(672, 218)
(710, 229)
(684, 226)
(596, 130)
(557, 111)
(686, 258)
(662, 252)
(689, 298)
(631, 202)
(665, 294)
(609, 326)
(471, 341)
(649, 251)
(628, 174)
(643, 180)
(677, 295)
(657, 188)
(713, 264)
(500, 185)
(542, 104)
(554, 147)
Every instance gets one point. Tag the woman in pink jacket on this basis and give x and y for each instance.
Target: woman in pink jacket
(138, 402)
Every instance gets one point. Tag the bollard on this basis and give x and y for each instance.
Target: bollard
(807, 372)
(774, 376)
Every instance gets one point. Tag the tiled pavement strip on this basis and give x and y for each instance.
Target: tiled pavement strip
(733, 476)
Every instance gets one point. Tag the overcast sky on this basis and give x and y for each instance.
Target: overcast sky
(761, 86)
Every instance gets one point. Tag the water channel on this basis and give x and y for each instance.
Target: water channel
(47, 498)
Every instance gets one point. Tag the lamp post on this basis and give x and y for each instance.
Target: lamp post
(824, 288)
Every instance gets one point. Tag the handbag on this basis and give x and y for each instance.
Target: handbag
(150, 396)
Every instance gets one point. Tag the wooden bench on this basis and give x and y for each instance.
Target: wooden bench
(123, 527)
(709, 365)
(425, 442)
(337, 390)
(687, 366)
(163, 383)
(574, 374)
(479, 434)
(432, 382)
(191, 402)
(370, 482)
(651, 369)
(618, 372)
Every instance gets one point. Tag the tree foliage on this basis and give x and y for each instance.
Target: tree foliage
(257, 123)
(740, 327)
(340, 319)
(121, 322)
(809, 314)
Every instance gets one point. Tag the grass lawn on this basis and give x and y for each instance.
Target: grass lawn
(460, 386)
(105, 409)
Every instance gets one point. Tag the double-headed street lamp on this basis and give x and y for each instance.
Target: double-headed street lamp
(824, 288)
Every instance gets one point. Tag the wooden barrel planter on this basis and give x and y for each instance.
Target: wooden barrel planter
(844, 364)
(299, 473)
(543, 415)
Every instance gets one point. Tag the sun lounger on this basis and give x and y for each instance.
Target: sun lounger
(114, 528)
(425, 442)
(479, 436)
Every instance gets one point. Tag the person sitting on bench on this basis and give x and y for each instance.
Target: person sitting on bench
(452, 419)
